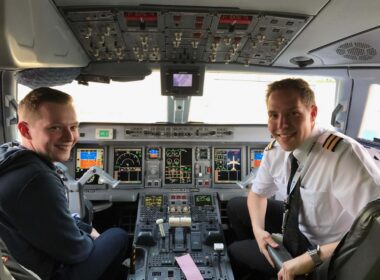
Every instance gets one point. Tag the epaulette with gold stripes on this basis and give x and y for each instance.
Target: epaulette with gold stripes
(270, 145)
(332, 142)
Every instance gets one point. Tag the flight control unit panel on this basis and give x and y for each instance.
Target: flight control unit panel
(173, 224)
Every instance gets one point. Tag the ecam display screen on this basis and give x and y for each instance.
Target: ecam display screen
(182, 80)
(178, 166)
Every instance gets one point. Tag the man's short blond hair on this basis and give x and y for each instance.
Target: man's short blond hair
(28, 108)
(298, 85)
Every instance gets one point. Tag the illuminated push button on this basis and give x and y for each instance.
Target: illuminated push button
(172, 209)
(104, 133)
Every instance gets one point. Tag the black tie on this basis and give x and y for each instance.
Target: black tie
(294, 240)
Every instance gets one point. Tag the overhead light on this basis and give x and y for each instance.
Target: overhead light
(302, 61)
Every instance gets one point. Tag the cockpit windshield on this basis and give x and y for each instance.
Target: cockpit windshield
(228, 98)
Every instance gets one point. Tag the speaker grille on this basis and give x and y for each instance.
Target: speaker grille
(356, 51)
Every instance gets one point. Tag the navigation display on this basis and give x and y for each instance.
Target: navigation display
(128, 165)
(85, 159)
(153, 201)
(227, 163)
(203, 200)
(178, 166)
(256, 157)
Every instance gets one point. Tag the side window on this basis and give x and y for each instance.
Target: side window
(370, 127)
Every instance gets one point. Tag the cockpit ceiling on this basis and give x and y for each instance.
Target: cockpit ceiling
(185, 35)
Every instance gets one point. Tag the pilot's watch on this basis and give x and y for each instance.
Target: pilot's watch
(314, 254)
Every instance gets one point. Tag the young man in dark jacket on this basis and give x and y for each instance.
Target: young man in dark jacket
(35, 221)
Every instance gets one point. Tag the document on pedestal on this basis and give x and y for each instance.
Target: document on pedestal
(188, 267)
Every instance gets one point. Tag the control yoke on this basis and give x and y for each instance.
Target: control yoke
(104, 177)
(75, 187)
(247, 180)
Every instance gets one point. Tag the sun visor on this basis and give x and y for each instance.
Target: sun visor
(120, 72)
(47, 77)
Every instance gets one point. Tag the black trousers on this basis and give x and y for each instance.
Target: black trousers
(104, 262)
(244, 251)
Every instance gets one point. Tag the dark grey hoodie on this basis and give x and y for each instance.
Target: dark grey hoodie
(35, 222)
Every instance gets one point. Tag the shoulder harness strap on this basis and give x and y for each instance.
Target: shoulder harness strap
(270, 145)
(332, 142)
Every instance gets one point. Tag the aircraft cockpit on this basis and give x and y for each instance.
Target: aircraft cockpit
(171, 100)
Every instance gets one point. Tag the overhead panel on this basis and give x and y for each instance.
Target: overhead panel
(199, 35)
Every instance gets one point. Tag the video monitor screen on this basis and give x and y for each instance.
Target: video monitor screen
(182, 80)
(127, 165)
(178, 166)
(256, 157)
(85, 159)
(227, 165)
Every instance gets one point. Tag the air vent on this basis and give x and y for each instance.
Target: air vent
(356, 51)
(360, 48)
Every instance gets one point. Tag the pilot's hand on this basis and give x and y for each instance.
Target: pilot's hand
(264, 239)
(94, 234)
(297, 266)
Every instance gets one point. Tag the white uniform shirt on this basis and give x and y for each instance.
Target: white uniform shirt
(335, 185)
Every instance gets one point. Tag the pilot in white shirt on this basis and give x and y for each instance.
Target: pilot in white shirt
(336, 175)
(328, 206)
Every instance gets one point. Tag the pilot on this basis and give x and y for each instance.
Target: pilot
(333, 178)
(35, 221)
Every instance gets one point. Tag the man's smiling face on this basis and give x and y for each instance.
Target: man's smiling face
(289, 120)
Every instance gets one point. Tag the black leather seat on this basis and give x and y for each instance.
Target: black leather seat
(10, 269)
(357, 256)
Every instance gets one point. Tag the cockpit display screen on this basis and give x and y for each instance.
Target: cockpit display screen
(153, 153)
(128, 165)
(203, 200)
(256, 157)
(182, 80)
(153, 201)
(178, 166)
(227, 165)
(85, 159)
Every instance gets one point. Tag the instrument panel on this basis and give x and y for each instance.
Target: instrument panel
(180, 156)
(169, 167)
